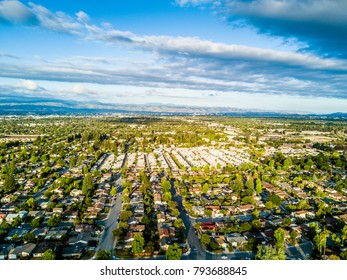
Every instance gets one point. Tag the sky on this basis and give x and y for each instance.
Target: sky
(288, 55)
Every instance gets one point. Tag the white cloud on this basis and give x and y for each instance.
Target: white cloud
(319, 24)
(59, 21)
(28, 84)
(13, 11)
(182, 3)
(82, 16)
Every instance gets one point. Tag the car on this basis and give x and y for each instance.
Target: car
(224, 257)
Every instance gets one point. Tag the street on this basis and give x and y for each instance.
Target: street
(110, 223)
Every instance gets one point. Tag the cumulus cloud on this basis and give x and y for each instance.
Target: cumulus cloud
(15, 12)
(82, 16)
(183, 62)
(195, 47)
(12, 11)
(321, 24)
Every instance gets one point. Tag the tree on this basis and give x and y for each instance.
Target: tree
(258, 186)
(113, 192)
(138, 244)
(279, 236)
(36, 222)
(208, 212)
(48, 255)
(54, 221)
(175, 212)
(88, 184)
(5, 225)
(103, 255)
(29, 237)
(125, 215)
(320, 241)
(178, 223)
(250, 184)
(205, 239)
(275, 199)
(344, 234)
(205, 188)
(270, 253)
(10, 183)
(15, 238)
(173, 252)
(72, 162)
(17, 221)
(293, 235)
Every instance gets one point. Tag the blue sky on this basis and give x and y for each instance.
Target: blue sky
(265, 54)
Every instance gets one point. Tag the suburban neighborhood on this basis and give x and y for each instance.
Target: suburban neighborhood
(172, 188)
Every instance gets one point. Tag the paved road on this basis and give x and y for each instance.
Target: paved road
(106, 241)
(197, 251)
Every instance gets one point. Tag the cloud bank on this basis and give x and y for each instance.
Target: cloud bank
(321, 24)
(193, 63)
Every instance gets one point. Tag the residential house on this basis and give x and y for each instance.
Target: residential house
(83, 238)
(36, 214)
(84, 228)
(198, 210)
(236, 239)
(70, 214)
(24, 251)
(246, 208)
(12, 216)
(43, 247)
(4, 250)
(40, 232)
(137, 228)
(76, 251)
(56, 234)
(19, 232)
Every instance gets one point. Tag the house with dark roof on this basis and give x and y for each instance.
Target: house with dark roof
(4, 250)
(43, 247)
(21, 251)
(76, 251)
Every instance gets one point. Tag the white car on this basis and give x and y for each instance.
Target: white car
(224, 257)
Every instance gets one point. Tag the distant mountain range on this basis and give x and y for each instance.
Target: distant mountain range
(30, 105)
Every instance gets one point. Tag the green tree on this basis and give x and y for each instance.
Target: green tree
(113, 192)
(275, 199)
(138, 244)
(270, 253)
(205, 239)
(72, 162)
(36, 222)
(174, 252)
(178, 223)
(88, 184)
(293, 235)
(258, 186)
(208, 212)
(48, 255)
(10, 183)
(54, 221)
(320, 241)
(17, 221)
(5, 225)
(103, 255)
(205, 188)
(15, 238)
(29, 237)
(279, 237)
